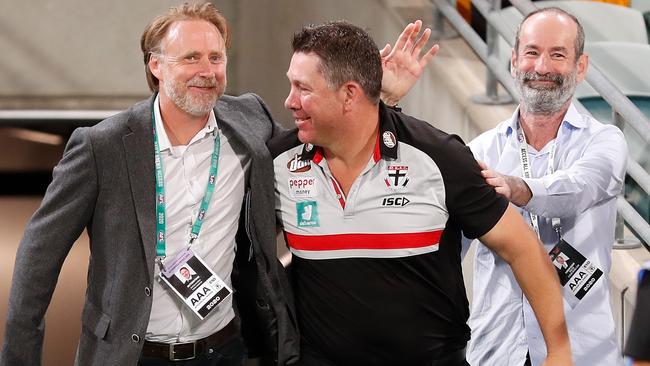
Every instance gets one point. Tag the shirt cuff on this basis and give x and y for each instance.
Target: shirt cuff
(538, 200)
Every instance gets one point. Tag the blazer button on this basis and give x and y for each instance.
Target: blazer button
(135, 338)
(147, 291)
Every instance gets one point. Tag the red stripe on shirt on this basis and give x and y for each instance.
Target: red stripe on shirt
(363, 241)
(376, 154)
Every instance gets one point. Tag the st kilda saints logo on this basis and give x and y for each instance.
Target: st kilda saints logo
(296, 165)
(397, 177)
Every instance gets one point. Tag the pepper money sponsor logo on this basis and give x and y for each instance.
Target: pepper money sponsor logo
(303, 187)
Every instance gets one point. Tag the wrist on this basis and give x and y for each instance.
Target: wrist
(389, 100)
(521, 194)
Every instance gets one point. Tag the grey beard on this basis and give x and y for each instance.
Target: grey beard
(194, 106)
(545, 101)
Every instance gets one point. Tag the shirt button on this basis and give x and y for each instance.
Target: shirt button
(147, 291)
(135, 338)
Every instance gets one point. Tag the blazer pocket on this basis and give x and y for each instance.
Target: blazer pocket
(95, 320)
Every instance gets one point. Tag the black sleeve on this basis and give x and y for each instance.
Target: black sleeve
(472, 203)
(282, 142)
(638, 344)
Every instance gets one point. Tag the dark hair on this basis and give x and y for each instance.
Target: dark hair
(157, 29)
(579, 42)
(347, 53)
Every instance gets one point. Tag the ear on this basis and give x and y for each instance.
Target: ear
(513, 62)
(582, 65)
(350, 93)
(154, 66)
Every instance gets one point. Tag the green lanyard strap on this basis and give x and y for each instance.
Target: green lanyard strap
(160, 192)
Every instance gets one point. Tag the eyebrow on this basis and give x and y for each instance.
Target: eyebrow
(195, 53)
(553, 49)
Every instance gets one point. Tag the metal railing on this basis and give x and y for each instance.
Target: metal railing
(624, 111)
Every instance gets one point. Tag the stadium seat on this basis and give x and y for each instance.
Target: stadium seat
(625, 64)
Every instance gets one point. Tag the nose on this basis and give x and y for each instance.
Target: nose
(542, 64)
(291, 102)
(205, 67)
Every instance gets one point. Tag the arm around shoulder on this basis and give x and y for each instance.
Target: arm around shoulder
(275, 127)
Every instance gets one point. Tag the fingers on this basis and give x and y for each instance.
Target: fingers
(405, 36)
(482, 164)
(384, 52)
(494, 181)
(411, 40)
(424, 37)
(429, 55)
(504, 191)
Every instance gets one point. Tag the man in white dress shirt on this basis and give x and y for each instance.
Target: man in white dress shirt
(564, 171)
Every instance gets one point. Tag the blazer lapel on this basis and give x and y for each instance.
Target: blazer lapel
(138, 148)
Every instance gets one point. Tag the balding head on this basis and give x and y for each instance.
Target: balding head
(555, 20)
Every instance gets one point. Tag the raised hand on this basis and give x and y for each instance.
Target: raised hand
(403, 64)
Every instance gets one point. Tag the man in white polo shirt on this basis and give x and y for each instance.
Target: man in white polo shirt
(372, 203)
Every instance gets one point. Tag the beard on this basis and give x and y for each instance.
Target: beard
(195, 104)
(545, 99)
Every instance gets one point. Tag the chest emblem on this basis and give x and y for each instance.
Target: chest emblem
(397, 177)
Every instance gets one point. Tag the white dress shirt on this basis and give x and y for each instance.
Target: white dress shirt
(186, 175)
(589, 171)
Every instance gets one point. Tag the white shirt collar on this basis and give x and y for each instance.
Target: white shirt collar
(572, 117)
(163, 139)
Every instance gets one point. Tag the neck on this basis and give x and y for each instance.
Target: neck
(180, 126)
(356, 144)
(347, 158)
(539, 129)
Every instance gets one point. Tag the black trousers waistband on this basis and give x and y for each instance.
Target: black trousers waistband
(189, 350)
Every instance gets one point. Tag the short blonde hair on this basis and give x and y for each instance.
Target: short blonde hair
(157, 29)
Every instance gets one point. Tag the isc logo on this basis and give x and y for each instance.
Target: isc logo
(395, 201)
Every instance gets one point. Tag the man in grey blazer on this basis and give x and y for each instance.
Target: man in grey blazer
(137, 183)
(106, 183)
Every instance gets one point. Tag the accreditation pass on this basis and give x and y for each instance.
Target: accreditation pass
(194, 282)
(577, 274)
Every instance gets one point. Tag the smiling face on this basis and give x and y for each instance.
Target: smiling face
(545, 65)
(191, 68)
(185, 273)
(317, 107)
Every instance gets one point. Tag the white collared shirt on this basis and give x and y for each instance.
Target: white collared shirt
(589, 171)
(186, 174)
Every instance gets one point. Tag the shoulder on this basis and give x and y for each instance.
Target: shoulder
(423, 136)
(139, 113)
(245, 103)
(283, 142)
(597, 128)
(488, 137)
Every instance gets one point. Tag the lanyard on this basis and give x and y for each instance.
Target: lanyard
(160, 193)
(526, 169)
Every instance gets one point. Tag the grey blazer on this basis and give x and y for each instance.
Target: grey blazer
(105, 183)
